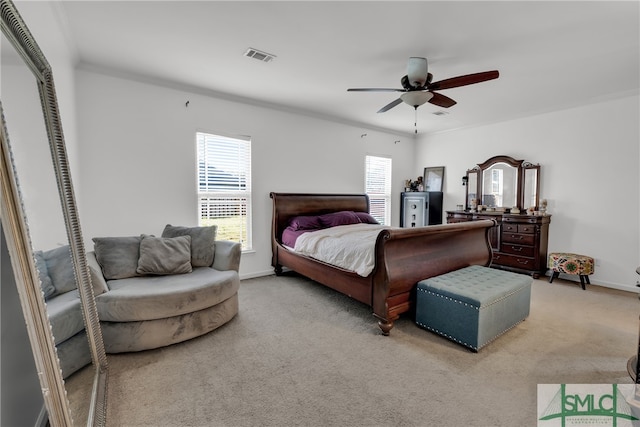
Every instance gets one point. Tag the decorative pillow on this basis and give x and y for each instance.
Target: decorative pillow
(117, 256)
(309, 222)
(60, 269)
(164, 255)
(366, 218)
(45, 281)
(339, 218)
(202, 242)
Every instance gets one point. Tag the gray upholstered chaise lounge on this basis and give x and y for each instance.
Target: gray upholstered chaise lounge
(150, 306)
(148, 295)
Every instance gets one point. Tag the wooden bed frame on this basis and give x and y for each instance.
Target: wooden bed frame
(403, 256)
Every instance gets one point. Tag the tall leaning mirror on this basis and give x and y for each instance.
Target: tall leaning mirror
(42, 230)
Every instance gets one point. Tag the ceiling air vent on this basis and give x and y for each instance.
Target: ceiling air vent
(259, 55)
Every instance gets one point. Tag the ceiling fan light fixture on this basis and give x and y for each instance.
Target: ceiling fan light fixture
(417, 71)
(415, 99)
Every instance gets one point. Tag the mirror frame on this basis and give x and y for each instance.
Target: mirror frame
(18, 239)
(475, 171)
(517, 164)
(429, 172)
(521, 165)
(530, 166)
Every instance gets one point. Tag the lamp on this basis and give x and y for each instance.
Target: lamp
(465, 179)
(416, 98)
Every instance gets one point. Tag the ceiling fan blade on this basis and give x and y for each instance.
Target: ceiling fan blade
(390, 105)
(375, 89)
(468, 79)
(441, 100)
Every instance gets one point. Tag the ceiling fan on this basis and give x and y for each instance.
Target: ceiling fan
(418, 88)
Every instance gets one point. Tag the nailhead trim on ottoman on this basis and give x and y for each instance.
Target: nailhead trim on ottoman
(569, 263)
(474, 305)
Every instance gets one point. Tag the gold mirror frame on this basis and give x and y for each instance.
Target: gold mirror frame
(18, 239)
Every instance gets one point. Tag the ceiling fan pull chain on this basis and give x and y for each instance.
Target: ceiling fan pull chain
(415, 123)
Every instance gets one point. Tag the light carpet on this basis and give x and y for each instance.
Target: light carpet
(300, 354)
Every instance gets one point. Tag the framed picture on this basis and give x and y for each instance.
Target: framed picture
(433, 178)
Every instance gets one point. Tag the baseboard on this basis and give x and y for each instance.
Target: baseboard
(257, 274)
(617, 286)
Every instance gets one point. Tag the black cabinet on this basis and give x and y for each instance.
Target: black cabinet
(420, 208)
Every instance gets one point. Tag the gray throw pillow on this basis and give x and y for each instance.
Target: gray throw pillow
(60, 269)
(164, 255)
(202, 242)
(45, 281)
(117, 256)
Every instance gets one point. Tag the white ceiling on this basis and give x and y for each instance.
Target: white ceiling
(551, 55)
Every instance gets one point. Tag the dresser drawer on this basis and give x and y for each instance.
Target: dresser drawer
(509, 228)
(518, 228)
(526, 251)
(515, 261)
(453, 218)
(526, 228)
(519, 238)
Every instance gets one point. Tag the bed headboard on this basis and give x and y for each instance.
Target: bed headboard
(288, 205)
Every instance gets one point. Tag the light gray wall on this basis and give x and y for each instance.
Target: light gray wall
(139, 162)
(589, 158)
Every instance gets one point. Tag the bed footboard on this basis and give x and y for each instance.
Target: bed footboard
(407, 255)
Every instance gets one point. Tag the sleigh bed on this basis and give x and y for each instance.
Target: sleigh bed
(402, 256)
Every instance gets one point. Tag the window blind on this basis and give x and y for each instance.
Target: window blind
(224, 186)
(378, 187)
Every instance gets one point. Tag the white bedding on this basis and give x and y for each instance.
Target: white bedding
(346, 246)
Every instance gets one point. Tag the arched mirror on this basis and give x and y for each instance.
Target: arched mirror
(42, 230)
(502, 182)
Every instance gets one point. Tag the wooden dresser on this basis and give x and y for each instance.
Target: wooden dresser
(519, 241)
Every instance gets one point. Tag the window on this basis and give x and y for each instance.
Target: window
(496, 187)
(224, 186)
(378, 186)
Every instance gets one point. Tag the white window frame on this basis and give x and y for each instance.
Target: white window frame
(378, 188)
(236, 161)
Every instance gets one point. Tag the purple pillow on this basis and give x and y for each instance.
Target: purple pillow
(289, 236)
(311, 222)
(366, 218)
(339, 218)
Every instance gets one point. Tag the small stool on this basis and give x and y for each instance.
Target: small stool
(474, 305)
(568, 263)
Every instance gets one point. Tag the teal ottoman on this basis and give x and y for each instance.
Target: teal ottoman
(474, 305)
